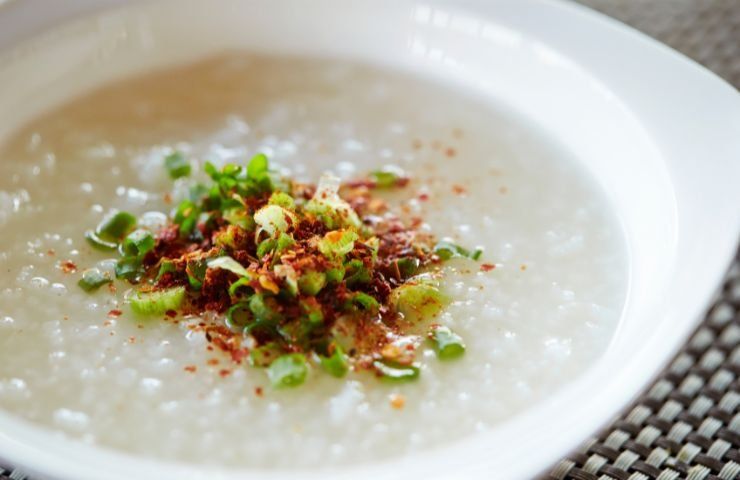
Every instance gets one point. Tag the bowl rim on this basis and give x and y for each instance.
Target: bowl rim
(547, 449)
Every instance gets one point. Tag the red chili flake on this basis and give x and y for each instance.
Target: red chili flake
(503, 190)
(397, 401)
(132, 339)
(111, 288)
(224, 372)
(423, 197)
(238, 355)
(167, 198)
(258, 391)
(213, 361)
(171, 313)
(68, 266)
(459, 190)
(50, 252)
(209, 348)
(450, 152)
(190, 368)
(523, 267)
(107, 323)
(115, 313)
(487, 267)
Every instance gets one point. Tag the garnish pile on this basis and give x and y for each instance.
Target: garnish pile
(297, 275)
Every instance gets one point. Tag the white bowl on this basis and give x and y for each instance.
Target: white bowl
(659, 133)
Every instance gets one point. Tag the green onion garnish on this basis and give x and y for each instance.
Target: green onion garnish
(448, 344)
(396, 372)
(446, 250)
(157, 302)
(288, 371)
(263, 356)
(116, 226)
(336, 364)
(388, 177)
(137, 243)
(417, 301)
(311, 283)
(95, 241)
(128, 268)
(228, 263)
(177, 165)
(92, 279)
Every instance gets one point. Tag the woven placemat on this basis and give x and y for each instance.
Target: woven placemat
(687, 424)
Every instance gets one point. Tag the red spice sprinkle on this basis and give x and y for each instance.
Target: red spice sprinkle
(423, 197)
(487, 267)
(190, 368)
(258, 391)
(212, 361)
(132, 339)
(503, 190)
(68, 266)
(523, 267)
(115, 313)
(450, 152)
(171, 313)
(397, 401)
(224, 372)
(111, 288)
(459, 190)
(107, 323)
(167, 198)
(50, 252)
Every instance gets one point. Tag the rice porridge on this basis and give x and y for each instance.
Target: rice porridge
(542, 309)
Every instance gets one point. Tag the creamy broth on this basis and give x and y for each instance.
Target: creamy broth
(544, 313)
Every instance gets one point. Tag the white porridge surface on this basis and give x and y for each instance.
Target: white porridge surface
(544, 312)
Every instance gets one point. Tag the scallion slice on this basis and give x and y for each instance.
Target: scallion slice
(137, 243)
(336, 364)
(177, 165)
(447, 344)
(92, 279)
(287, 371)
(116, 226)
(157, 302)
(396, 372)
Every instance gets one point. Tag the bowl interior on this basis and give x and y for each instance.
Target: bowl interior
(511, 54)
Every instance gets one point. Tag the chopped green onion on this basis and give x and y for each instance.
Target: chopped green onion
(408, 266)
(264, 355)
(265, 247)
(94, 240)
(446, 250)
(264, 309)
(186, 216)
(282, 199)
(243, 282)
(396, 372)
(330, 208)
(288, 371)
(240, 217)
(311, 283)
(116, 226)
(137, 243)
(365, 302)
(165, 267)
(238, 315)
(357, 273)
(336, 364)
(128, 268)
(258, 173)
(177, 165)
(284, 242)
(157, 302)
(196, 272)
(337, 243)
(448, 344)
(92, 279)
(417, 301)
(335, 275)
(388, 177)
(312, 309)
(228, 263)
(273, 219)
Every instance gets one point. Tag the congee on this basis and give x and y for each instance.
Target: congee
(280, 262)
